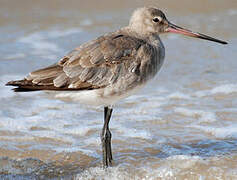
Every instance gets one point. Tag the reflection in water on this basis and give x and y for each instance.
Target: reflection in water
(181, 125)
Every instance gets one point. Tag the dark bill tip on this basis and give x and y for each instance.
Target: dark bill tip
(176, 29)
(203, 36)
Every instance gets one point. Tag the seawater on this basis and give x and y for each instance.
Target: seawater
(182, 125)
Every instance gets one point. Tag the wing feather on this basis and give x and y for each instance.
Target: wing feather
(96, 64)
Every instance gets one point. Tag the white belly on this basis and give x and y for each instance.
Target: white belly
(97, 97)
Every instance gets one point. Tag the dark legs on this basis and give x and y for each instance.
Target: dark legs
(106, 138)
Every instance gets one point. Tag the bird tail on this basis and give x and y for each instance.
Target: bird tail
(23, 86)
(41, 79)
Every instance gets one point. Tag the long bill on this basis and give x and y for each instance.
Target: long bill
(176, 29)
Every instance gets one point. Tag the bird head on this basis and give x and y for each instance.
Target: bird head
(149, 20)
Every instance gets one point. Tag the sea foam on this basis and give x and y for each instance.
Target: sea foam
(222, 89)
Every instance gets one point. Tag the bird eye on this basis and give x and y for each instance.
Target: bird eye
(156, 19)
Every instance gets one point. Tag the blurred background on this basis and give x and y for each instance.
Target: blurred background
(182, 125)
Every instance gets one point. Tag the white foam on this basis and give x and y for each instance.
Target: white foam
(164, 173)
(184, 161)
(23, 124)
(62, 33)
(76, 130)
(183, 157)
(39, 43)
(133, 133)
(92, 141)
(170, 168)
(222, 89)
(202, 116)
(178, 95)
(219, 132)
(76, 149)
(225, 89)
(112, 173)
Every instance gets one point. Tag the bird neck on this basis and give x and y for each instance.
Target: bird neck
(140, 34)
(151, 38)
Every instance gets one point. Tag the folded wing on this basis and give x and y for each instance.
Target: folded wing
(93, 65)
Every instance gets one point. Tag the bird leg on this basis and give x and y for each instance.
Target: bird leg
(106, 138)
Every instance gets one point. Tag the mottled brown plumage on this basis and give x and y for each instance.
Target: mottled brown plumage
(96, 64)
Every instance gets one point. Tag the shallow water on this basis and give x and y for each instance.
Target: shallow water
(183, 125)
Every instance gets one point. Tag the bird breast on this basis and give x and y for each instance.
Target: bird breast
(132, 75)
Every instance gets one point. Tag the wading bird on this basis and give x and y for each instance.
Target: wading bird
(111, 67)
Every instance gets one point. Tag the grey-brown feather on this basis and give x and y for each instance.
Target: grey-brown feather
(114, 58)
